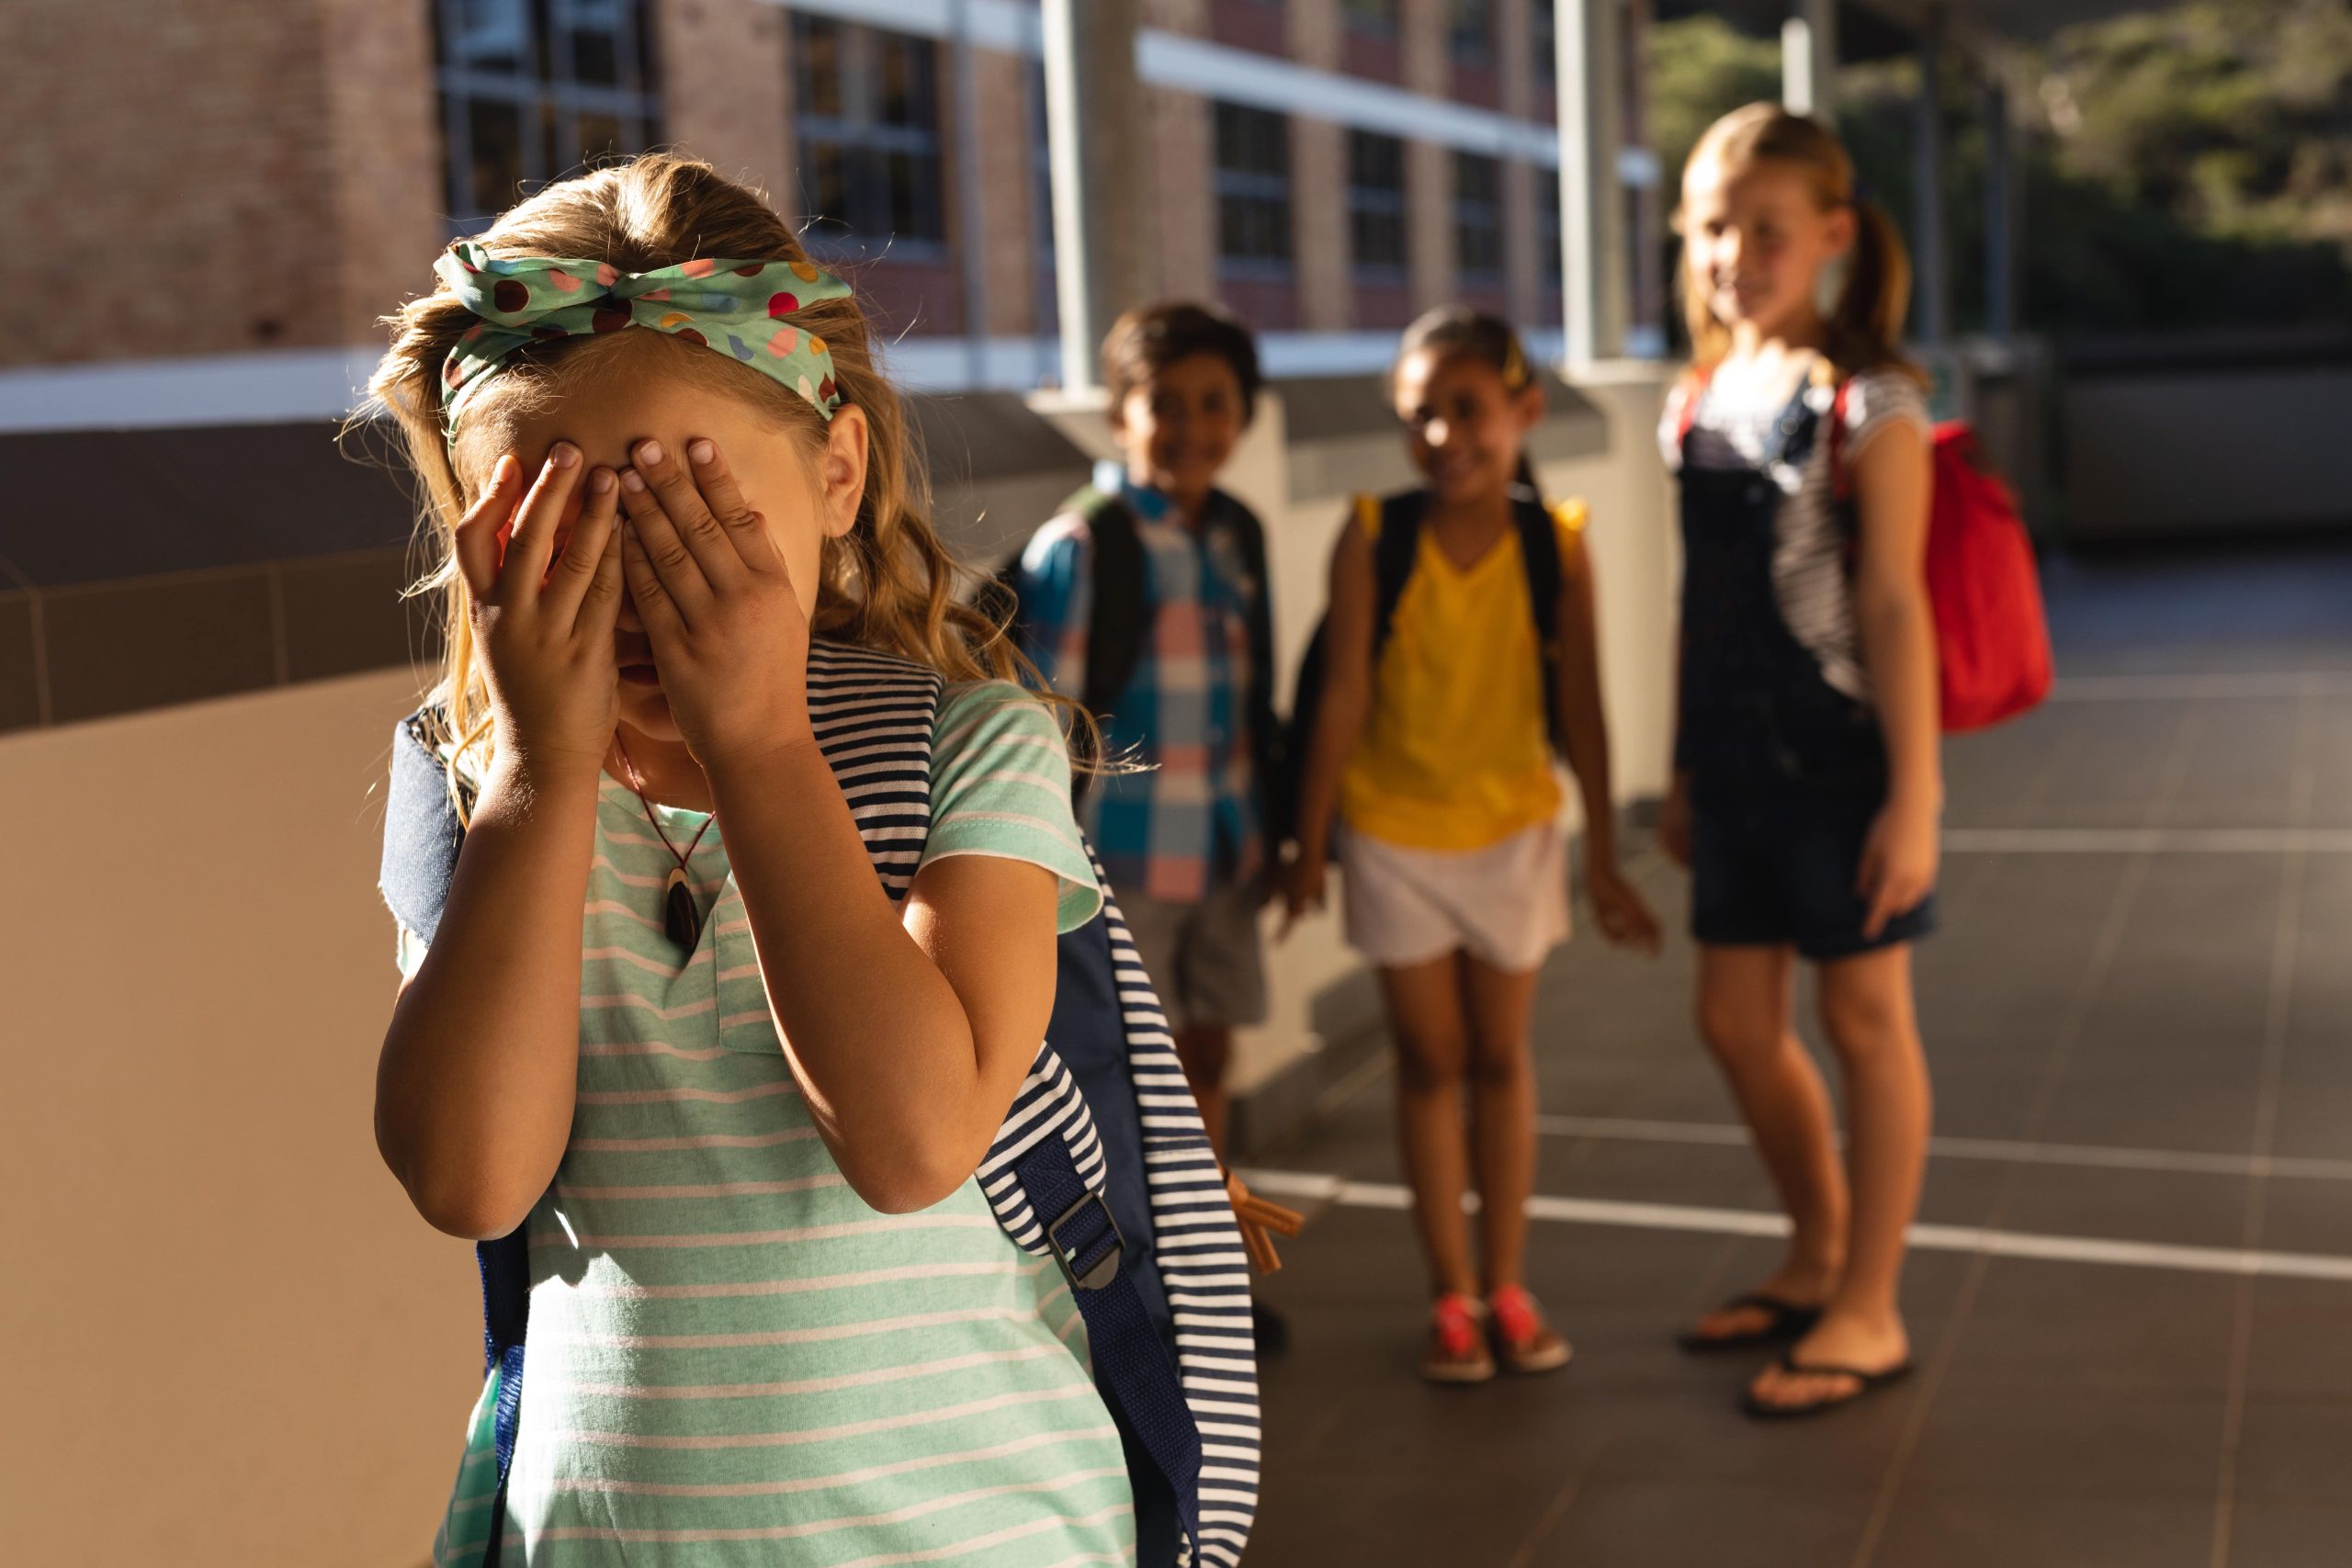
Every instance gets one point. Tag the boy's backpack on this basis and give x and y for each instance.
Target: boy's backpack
(1102, 1162)
(1118, 618)
(1992, 639)
(1396, 548)
(1993, 656)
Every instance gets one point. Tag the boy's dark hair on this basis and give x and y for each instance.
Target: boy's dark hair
(1149, 338)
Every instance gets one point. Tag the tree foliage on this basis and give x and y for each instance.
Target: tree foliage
(2188, 166)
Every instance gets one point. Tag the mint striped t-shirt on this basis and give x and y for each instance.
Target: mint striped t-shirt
(733, 1358)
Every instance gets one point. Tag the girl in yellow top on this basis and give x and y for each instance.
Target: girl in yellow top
(1433, 746)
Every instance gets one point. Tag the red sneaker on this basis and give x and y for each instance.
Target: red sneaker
(1457, 1347)
(1526, 1342)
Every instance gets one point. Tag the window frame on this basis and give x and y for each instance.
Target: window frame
(548, 102)
(1267, 189)
(1466, 50)
(867, 143)
(1484, 213)
(1366, 199)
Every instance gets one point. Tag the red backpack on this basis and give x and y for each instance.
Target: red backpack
(1992, 640)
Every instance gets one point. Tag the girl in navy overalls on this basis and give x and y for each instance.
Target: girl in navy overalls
(1807, 782)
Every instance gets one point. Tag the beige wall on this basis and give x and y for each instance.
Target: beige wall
(228, 1338)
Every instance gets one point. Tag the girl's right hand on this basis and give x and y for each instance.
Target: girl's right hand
(1674, 820)
(1304, 877)
(544, 617)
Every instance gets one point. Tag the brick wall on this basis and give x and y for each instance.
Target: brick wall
(287, 155)
(724, 89)
(193, 135)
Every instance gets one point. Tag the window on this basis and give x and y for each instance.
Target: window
(1252, 189)
(866, 110)
(1477, 217)
(1544, 38)
(1372, 18)
(534, 89)
(1470, 32)
(1376, 203)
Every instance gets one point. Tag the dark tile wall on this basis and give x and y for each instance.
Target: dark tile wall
(147, 567)
(19, 662)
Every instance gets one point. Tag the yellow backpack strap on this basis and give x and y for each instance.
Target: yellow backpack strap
(1368, 514)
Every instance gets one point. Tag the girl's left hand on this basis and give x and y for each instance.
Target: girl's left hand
(1898, 866)
(1625, 915)
(717, 602)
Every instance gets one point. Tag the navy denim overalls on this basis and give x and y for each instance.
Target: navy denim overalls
(1755, 707)
(1787, 772)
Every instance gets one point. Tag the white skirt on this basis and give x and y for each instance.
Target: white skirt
(1506, 904)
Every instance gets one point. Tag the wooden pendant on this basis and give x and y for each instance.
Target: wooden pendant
(680, 919)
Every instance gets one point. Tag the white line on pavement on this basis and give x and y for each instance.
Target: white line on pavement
(2146, 840)
(1927, 1237)
(2220, 683)
(2000, 1150)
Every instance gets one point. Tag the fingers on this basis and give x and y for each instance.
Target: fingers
(583, 554)
(670, 501)
(476, 547)
(536, 525)
(600, 607)
(746, 528)
(1884, 892)
(646, 590)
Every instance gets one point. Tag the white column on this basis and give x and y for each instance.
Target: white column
(1096, 132)
(1809, 57)
(1932, 295)
(1592, 198)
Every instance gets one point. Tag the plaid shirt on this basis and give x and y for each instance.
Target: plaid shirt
(1191, 821)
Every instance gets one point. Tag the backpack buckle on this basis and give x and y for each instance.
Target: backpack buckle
(1106, 1267)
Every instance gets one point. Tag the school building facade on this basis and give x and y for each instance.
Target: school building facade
(1326, 168)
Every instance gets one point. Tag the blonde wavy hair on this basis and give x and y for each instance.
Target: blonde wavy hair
(1864, 326)
(889, 584)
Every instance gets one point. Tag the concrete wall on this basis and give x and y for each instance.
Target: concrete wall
(2151, 453)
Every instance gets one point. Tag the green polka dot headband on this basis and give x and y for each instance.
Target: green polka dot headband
(742, 310)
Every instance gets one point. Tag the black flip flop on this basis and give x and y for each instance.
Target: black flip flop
(1789, 1323)
(1865, 1383)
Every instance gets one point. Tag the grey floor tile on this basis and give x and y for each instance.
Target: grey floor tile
(2297, 1450)
(2176, 1207)
(2308, 1216)
(1440, 1509)
(1973, 1529)
(1986, 1440)
(2303, 1340)
(2038, 1326)
(1637, 1523)
(2288, 1535)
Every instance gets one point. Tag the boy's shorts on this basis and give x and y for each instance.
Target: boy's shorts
(1775, 866)
(1507, 905)
(1204, 958)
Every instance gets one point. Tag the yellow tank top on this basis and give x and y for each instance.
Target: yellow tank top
(1457, 755)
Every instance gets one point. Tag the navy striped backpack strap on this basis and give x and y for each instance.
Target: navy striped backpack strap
(1102, 1163)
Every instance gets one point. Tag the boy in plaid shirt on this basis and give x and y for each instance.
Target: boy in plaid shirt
(1145, 598)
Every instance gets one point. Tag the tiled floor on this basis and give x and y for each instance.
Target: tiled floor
(2148, 1016)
